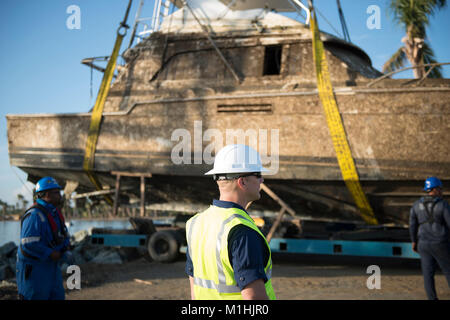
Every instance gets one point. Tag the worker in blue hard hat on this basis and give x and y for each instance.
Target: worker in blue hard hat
(44, 241)
(429, 226)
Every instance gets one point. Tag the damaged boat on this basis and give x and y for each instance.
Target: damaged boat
(219, 72)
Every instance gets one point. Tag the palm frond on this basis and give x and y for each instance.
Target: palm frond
(415, 14)
(429, 57)
(395, 62)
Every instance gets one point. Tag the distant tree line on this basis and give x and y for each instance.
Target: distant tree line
(82, 208)
(20, 206)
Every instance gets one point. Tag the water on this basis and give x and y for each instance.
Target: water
(10, 230)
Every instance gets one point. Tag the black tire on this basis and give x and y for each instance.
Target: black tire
(163, 246)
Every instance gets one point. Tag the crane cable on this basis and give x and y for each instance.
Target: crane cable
(97, 111)
(336, 127)
(343, 23)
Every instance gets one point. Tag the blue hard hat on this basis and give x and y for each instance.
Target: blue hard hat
(431, 183)
(47, 183)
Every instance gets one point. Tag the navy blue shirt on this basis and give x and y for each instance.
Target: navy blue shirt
(247, 252)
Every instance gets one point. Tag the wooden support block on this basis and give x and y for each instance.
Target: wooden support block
(131, 174)
(277, 199)
(284, 208)
(275, 224)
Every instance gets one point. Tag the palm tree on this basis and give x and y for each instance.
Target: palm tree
(4, 206)
(414, 16)
(20, 199)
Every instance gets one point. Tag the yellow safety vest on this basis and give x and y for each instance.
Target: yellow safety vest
(207, 237)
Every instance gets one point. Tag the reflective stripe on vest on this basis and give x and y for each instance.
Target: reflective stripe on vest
(222, 270)
(222, 288)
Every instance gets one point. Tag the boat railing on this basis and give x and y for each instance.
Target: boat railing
(298, 6)
(419, 81)
(160, 11)
(150, 24)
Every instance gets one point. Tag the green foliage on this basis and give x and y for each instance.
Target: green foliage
(415, 13)
(397, 61)
(428, 57)
(414, 16)
(7, 209)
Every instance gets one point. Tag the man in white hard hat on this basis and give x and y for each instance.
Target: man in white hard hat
(228, 257)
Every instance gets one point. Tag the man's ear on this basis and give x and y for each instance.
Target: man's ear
(241, 183)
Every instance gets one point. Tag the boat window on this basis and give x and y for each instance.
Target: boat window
(272, 60)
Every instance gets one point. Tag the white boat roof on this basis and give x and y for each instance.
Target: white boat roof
(255, 4)
(278, 5)
(217, 17)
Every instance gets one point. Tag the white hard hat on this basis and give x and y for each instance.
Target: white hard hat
(237, 158)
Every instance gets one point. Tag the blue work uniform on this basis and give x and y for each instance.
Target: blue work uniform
(429, 226)
(247, 252)
(38, 276)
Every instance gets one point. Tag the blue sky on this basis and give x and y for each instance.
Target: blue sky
(40, 57)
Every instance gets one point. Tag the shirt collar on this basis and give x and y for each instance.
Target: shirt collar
(47, 205)
(227, 205)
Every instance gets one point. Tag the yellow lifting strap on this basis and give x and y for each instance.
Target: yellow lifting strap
(334, 121)
(97, 111)
(96, 118)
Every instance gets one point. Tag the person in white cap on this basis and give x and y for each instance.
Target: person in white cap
(228, 257)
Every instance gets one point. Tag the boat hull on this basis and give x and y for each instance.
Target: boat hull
(395, 144)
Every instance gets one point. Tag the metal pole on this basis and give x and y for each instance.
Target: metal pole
(343, 23)
(142, 196)
(124, 22)
(295, 4)
(157, 13)
(154, 15)
(166, 8)
(404, 69)
(136, 22)
(116, 195)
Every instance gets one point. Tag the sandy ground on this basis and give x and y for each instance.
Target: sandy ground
(294, 278)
